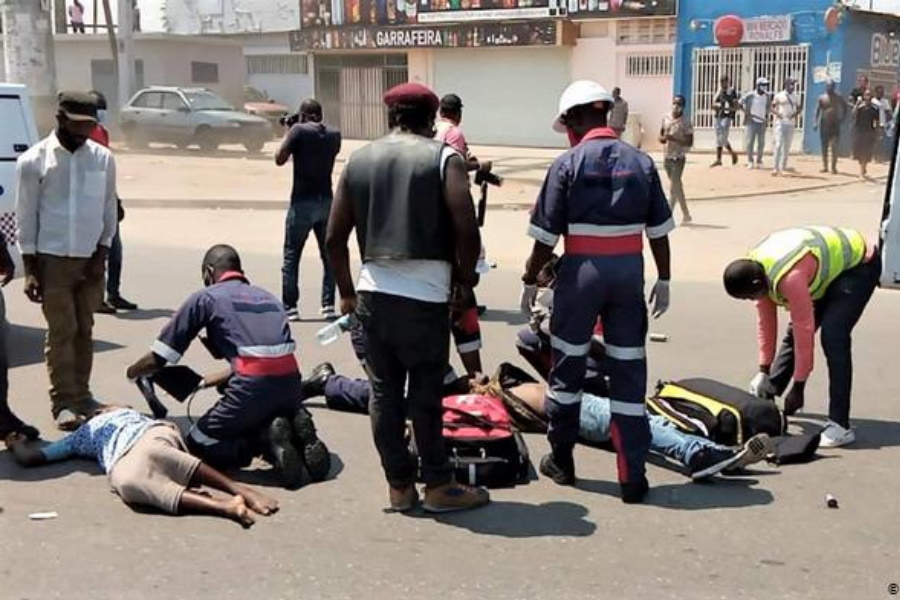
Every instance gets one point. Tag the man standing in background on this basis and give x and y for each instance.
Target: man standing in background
(784, 107)
(67, 217)
(314, 147)
(757, 105)
(831, 111)
(726, 107)
(618, 116)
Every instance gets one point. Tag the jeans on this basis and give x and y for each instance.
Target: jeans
(675, 170)
(114, 266)
(784, 134)
(756, 132)
(666, 439)
(836, 314)
(407, 346)
(723, 128)
(4, 359)
(305, 215)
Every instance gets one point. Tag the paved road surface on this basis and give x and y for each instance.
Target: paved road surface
(767, 535)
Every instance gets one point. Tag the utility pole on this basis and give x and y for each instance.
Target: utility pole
(29, 54)
(125, 39)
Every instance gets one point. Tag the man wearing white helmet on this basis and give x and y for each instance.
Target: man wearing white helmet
(601, 197)
(757, 105)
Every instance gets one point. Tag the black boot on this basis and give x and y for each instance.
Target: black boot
(560, 467)
(10, 423)
(279, 450)
(313, 451)
(314, 385)
(718, 162)
(635, 493)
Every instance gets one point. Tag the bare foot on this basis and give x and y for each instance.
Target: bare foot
(259, 502)
(237, 509)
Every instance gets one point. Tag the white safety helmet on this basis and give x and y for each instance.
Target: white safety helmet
(579, 93)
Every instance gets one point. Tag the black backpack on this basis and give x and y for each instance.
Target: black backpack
(716, 411)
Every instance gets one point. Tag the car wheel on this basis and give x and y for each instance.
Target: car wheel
(254, 146)
(206, 139)
(133, 138)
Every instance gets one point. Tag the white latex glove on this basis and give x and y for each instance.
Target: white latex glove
(761, 386)
(659, 298)
(526, 299)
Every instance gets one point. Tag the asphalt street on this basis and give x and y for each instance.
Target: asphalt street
(765, 535)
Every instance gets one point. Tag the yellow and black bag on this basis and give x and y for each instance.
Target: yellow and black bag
(719, 412)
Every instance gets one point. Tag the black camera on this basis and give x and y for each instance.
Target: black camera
(488, 177)
(288, 120)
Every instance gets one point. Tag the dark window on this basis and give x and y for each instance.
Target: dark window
(204, 72)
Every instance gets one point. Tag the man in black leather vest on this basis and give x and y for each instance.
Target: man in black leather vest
(407, 196)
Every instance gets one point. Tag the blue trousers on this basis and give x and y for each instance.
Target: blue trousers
(114, 266)
(305, 216)
(612, 288)
(756, 133)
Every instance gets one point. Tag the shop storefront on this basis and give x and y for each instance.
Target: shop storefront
(758, 38)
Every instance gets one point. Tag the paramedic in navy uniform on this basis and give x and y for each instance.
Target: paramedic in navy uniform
(601, 196)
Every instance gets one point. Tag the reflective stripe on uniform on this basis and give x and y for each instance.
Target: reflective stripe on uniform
(590, 230)
(569, 349)
(268, 351)
(468, 347)
(566, 398)
(628, 409)
(543, 236)
(171, 356)
(661, 230)
(626, 352)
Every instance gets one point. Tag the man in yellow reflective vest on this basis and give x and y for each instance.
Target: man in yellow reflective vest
(825, 277)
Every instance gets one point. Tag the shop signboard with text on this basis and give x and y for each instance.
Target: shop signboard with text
(529, 33)
(621, 9)
(349, 13)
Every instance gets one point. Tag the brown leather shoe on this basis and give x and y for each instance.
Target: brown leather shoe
(454, 496)
(403, 499)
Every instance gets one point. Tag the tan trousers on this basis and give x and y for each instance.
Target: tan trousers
(69, 304)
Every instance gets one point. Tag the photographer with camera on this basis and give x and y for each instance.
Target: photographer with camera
(314, 147)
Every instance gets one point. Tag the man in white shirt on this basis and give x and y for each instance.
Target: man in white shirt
(756, 106)
(785, 106)
(67, 217)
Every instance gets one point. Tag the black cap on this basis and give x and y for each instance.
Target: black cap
(78, 106)
(451, 103)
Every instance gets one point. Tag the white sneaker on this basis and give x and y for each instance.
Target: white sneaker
(750, 165)
(293, 314)
(835, 436)
(328, 313)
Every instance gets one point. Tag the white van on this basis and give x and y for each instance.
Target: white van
(18, 132)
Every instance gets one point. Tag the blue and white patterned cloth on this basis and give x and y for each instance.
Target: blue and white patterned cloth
(105, 438)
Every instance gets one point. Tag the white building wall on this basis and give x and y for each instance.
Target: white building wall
(289, 89)
(649, 97)
(192, 17)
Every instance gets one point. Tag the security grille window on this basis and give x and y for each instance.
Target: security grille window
(645, 31)
(277, 64)
(649, 65)
(744, 65)
(204, 72)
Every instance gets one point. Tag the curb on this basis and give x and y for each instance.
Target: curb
(214, 204)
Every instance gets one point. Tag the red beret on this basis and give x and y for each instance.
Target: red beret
(412, 93)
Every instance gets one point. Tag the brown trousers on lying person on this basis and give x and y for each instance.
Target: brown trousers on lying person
(70, 299)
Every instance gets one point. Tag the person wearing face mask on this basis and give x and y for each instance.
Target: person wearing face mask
(785, 105)
(260, 411)
(67, 217)
(677, 133)
(601, 196)
(756, 106)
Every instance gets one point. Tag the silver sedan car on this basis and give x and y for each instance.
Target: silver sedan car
(186, 116)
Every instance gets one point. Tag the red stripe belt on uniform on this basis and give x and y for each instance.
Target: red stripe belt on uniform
(261, 366)
(589, 245)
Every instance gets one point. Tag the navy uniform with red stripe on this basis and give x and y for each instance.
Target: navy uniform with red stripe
(248, 327)
(602, 196)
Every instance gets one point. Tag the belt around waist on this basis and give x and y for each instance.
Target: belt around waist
(254, 366)
(586, 245)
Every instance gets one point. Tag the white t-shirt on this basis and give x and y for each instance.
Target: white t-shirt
(758, 105)
(785, 106)
(425, 280)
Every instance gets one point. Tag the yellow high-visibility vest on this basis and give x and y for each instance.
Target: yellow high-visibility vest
(836, 249)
